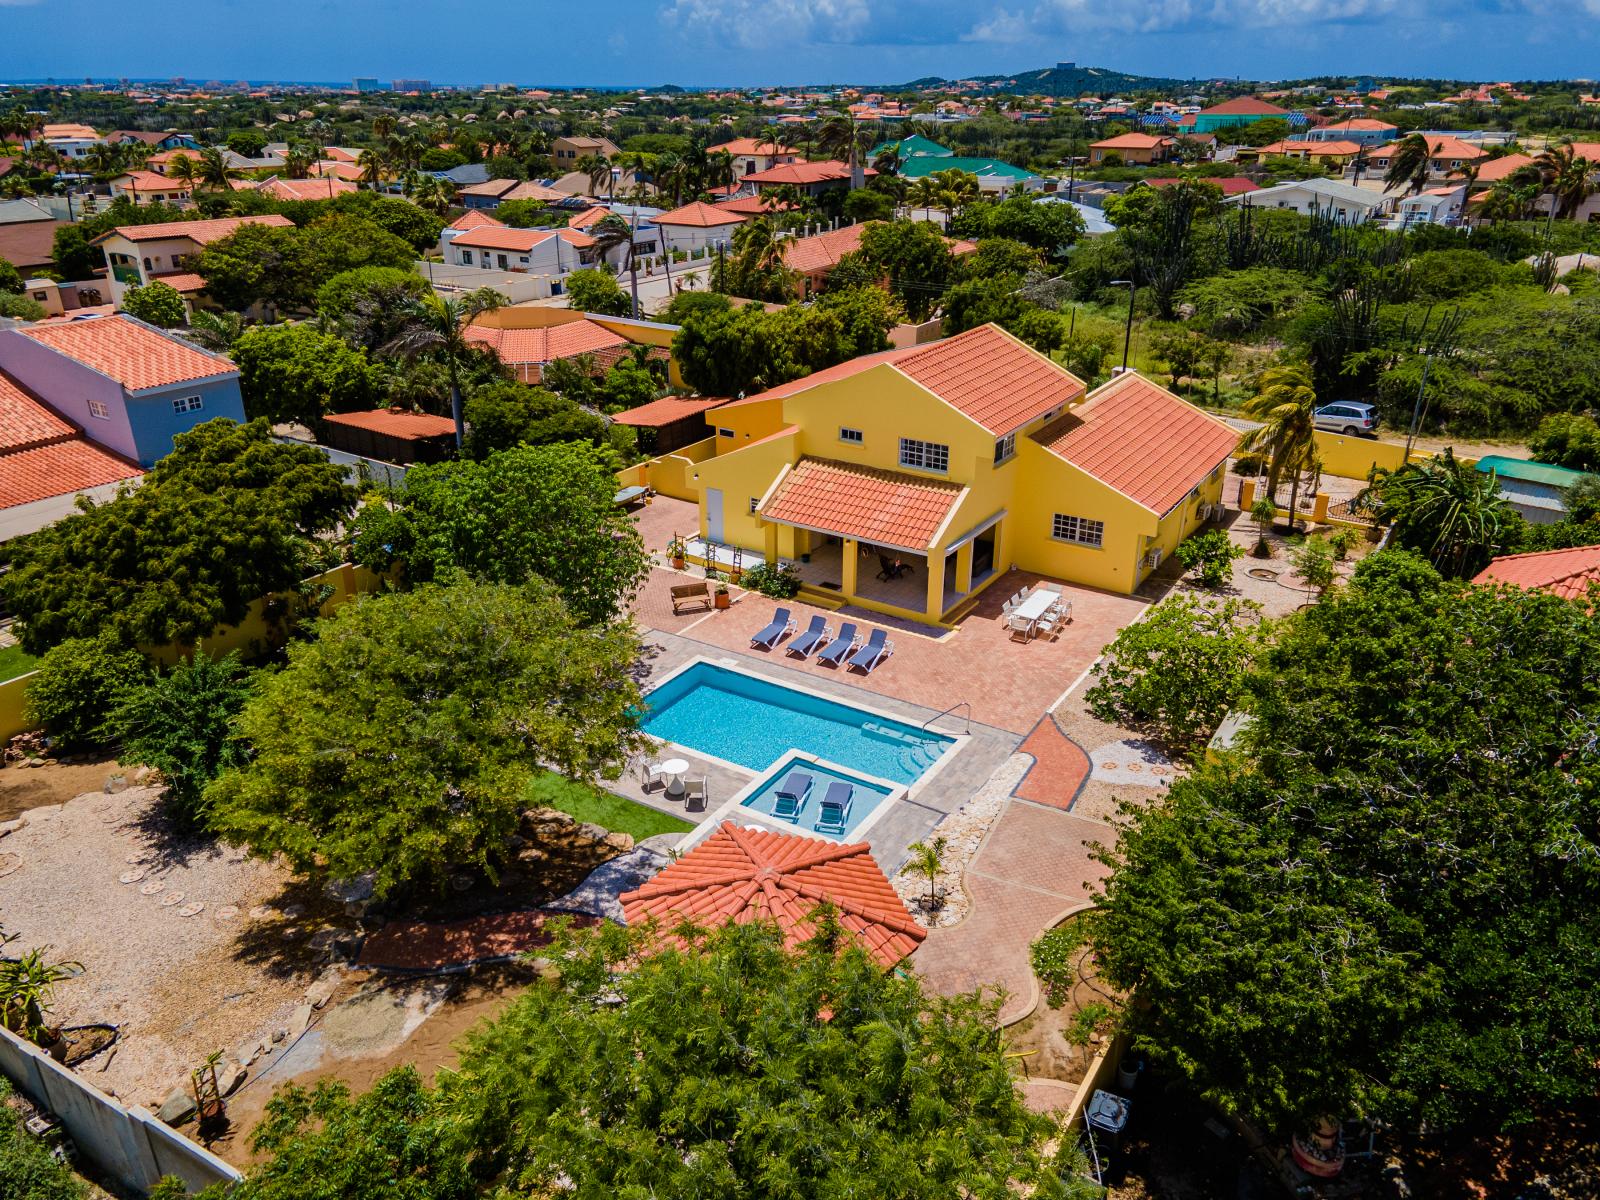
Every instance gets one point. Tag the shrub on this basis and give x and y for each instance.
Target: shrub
(1343, 541)
(1213, 553)
(156, 303)
(1567, 440)
(79, 684)
(28, 1170)
(1313, 562)
(772, 579)
(1054, 955)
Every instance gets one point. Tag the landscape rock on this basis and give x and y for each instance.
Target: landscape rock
(178, 1107)
(619, 841)
(353, 890)
(320, 992)
(300, 1021)
(11, 826)
(279, 1035)
(229, 1078)
(595, 833)
(547, 816)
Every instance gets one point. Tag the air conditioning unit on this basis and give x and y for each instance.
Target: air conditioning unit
(1154, 558)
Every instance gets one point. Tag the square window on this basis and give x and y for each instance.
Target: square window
(97, 408)
(854, 436)
(924, 456)
(1079, 530)
(186, 404)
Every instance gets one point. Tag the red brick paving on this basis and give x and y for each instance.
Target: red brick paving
(1059, 766)
(652, 604)
(425, 946)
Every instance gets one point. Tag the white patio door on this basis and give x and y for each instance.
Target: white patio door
(713, 514)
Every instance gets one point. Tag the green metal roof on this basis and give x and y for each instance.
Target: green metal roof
(915, 146)
(916, 168)
(1529, 472)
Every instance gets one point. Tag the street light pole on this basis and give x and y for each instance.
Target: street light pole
(1127, 336)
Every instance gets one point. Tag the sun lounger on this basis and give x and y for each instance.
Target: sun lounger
(815, 635)
(782, 622)
(791, 795)
(840, 646)
(835, 808)
(877, 649)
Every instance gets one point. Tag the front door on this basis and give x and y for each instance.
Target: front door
(713, 514)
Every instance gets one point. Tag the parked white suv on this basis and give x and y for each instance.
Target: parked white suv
(1347, 417)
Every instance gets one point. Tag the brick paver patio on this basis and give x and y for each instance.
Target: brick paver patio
(1059, 766)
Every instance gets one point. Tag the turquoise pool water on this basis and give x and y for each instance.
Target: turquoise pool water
(750, 721)
(863, 802)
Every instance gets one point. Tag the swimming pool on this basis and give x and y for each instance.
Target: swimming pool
(752, 722)
(866, 795)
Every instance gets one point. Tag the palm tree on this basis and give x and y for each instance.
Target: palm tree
(720, 171)
(597, 169)
(1410, 165)
(215, 330)
(211, 170)
(609, 232)
(382, 126)
(299, 160)
(433, 195)
(840, 137)
(1443, 508)
(1284, 403)
(954, 190)
(182, 170)
(924, 193)
(927, 860)
(1565, 177)
(374, 166)
(438, 325)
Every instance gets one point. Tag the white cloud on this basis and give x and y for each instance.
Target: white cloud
(1007, 27)
(1150, 16)
(766, 24)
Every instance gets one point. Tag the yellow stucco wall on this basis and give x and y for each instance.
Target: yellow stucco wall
(739, 476)
(13, 697)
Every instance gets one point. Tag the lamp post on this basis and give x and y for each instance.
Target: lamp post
(1127, 336)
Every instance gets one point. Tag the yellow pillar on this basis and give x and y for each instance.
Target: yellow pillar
(1247, 494)
(769, 533)
(1319, 508)
(849, 559)
(964, 567)
(935, 607)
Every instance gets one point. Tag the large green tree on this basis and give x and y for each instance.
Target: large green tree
(1386, 905)
(295, 373)
(400, 740)
(504, 414)
(596, 291)
(254, 264)
(156, 302)
(912, 256)
(531, 511)
(227, 517)
(1444, 509)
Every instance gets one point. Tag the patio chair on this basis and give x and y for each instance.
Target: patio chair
(1022, 594)
(840, 646)
(791, 795)
(694, 794)
(1049, 624)
(888, 569)
(877, 649)
(834, 812)
(782, 622)
(652, 773)
(1021, 628)
(816, 634)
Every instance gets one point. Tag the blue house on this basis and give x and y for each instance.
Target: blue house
(129, 386)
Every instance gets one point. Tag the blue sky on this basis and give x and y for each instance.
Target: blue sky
(786, 41)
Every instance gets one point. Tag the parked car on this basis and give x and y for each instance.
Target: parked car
(1347, 417)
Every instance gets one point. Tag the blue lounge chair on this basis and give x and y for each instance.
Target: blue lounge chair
(840, 646)
(877, 649)
(815, 635)
(835, 814)
(791, 795)
(782, 622)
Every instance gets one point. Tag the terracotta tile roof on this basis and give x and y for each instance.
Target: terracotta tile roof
(1567, 573)
(29, 245)
(1438, 147)
(201, 232)
(148, 181)
(742, 875)
(489, 187)
(1294, 146)
(59, 469)
(25, 421)
(751, 206)
(1244, 106)
(307, 189)
(587, 217)
(136, 355)
(1132, 141)
(883, 507)
(1142, 441)
(184, 281)
(338, 170)
(1366, 124)
(827, 375)
(753, 147)
(396, 424)
(531, 190)
(667, 410)
(991, 377)
(699, 215)
(802, 173)
(475, 218)
(546, 345)
(505, 237)
(1500, 168)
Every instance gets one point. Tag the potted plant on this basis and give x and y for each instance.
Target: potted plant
(209, 1105)
(677, 553)
(720, 597)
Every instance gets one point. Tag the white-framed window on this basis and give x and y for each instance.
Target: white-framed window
(854, 436)
(1078, 530)
(187, 404)
(724, 432)
(1004, 448)
(754, 502)
(97, 408)
(466, 258)
(924, 456)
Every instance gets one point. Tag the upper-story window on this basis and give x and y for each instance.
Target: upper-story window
(853, 436)
(924, 456)
(97, 408)
(1004, 448)
(187, 404)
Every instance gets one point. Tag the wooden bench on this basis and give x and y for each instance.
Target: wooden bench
(690, 593)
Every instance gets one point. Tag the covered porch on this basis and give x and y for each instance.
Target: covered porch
(925, 584)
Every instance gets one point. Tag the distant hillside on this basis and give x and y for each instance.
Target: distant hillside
(1066, 79)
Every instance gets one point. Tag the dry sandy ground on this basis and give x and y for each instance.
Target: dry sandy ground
(22, 788)
(193, 953)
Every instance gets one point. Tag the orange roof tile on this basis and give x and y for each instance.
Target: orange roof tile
(886, 508)
(751, 206)
(1245, 106)
(699, 215)
(667, 410)
(183, 281)
(475, 218)
(1567, 573)
(395, 424)
(489, 187)
(1132, 141)
(546, 345)
(202, 232)
(1500, 168)
(59, 469)
(993, 378)
(26, 421)
(505, 237)
(587, 217)
(1438, 147)
(148, 181)
(307, 189)
(802, 173)
(136, 355)
(1141, 440)
(1365, 124)
(531, 190)
(753, 147)
(742, 875)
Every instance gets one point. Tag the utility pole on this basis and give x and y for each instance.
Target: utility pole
(1416, 410)
(633, 265)
(1127, 336)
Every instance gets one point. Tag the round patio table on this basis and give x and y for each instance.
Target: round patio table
(675, 769)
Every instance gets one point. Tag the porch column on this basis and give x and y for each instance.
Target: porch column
(935, 584)
(849, 557)
(769, 549)
(964, 566)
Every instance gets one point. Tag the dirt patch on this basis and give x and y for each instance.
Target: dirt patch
(23, 788)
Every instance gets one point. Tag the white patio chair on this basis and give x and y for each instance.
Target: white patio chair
(653, 773)
(694, 794)
(1021, 628)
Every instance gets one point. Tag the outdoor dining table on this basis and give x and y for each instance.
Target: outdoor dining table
(1034, 605)
(675, 769)
(629, 494)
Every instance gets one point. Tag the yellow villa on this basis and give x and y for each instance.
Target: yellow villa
(907, 481)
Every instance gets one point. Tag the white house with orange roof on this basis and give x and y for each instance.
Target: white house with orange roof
(814, 255)
(751, 155)
(1447, 156)
(698, 226)
(137, 254)
(148, 187)
(957, 460)
(1364, 131)
(553, 253)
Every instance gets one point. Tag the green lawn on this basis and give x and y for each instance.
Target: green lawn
(15, 661)
(601, 808)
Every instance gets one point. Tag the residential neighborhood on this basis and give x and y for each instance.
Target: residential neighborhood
(1013, 634)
